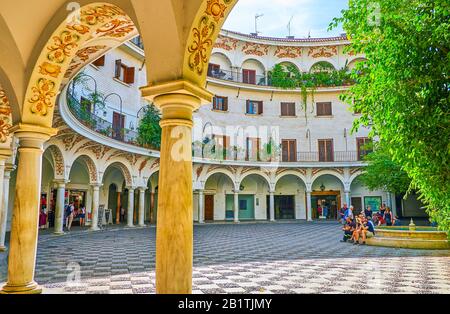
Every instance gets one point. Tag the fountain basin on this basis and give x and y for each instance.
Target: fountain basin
(428, 238)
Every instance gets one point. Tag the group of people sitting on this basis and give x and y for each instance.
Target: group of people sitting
(357, 228)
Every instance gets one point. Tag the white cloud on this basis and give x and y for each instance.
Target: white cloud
(309, 16)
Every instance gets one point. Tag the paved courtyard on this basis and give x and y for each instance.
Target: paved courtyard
(246, 258)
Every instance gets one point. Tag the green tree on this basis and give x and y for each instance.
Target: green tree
(149, 130)
(404, 94)
(384, 173)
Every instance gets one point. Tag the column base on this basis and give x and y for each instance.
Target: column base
(132, 226)
(142, 226)
(3, 249)
(31, 288)
(310, 220)
(94, 229)
(273, 220)
(59, 233)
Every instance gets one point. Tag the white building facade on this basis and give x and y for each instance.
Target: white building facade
(314, 161)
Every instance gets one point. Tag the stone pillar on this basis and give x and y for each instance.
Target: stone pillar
(130, 213)
(201, 206)
(59, 208)
(119, 207)
(174, 240)
(4, 206)
(95, 205)
(25, 220)
(309, 205)
(236, 206)
(347, 198)
(3, 209)
(142, 206)
(272, 206)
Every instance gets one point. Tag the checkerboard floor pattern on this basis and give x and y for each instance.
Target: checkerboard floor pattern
(275, 258)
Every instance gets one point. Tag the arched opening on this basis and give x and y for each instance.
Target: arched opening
(217, 198)
(253, 72)
(289, 198)
(327, 197)
(322, 66)
(48, 192)
(220, 67)
(254, 189)
(118, 202)
(151, 199)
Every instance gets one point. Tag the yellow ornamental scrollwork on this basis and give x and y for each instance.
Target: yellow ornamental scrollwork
(50, 69)
(5, 117)
(116, 28)
(202, 41)
(99, 14)
(216, 9)
(62, 46)
(43, 93)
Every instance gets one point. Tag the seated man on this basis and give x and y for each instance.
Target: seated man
(348, 229)
(367, 230)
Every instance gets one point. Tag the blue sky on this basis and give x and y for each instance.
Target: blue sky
(308, 16)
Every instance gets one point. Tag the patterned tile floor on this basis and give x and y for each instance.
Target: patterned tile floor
(246, 258)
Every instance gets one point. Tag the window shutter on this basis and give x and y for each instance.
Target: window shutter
(292, 112)
(129, 75)
(260, 107)
(319, 109)
(248, 106)
(328, 110)
(245, 76)
(285, 150)
(225, 104)
(330, 152)
(99, 62)
(283, 109)
(118, 69)
(292, 150)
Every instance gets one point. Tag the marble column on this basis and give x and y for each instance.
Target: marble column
(272, 206)
(95, 205)
(309, 205)
(201, 206)
(236, 206)
(174, 240)
(142, 206)
(3, 208)
(25, 220)
(130, 213)
(347, 198)
(59, 208)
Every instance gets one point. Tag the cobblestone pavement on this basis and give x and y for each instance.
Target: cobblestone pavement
(246, 258)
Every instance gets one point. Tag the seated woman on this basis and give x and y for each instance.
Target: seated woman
(348, 229)
(388, 216)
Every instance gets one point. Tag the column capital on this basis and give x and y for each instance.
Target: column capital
(142, 189)
(33, 134)
(61, 182)
(130, 188)
(168, 92)
(9, 167)
(96, 184)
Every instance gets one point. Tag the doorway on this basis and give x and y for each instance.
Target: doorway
(325, 205)
(209, 207)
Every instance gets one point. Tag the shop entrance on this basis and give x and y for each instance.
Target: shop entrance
(325, 205)
(284, 207)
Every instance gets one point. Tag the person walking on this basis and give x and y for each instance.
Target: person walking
(70, 216)
(82, 216)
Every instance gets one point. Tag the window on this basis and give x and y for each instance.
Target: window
(249, 76)
(324, 109)
(288, 109)
(138, 42)
(220, 103)
(289, 150)
(253, 145)
(326, 151)
(118, 125)
(213, 69)
(242, 204)
(254, 107)
(124, 73)
(364, 146)
(99, 62)
(222, 143)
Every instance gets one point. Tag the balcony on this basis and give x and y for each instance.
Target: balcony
(241, 155)
(237, 77)
(99, 125)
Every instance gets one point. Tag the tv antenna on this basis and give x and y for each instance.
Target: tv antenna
(257, 16)
(289, 27)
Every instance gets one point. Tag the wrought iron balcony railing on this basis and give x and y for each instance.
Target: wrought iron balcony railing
(99, 125)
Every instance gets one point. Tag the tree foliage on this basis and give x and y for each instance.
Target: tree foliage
(404, 95)
(149, 130)
(384, 173)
